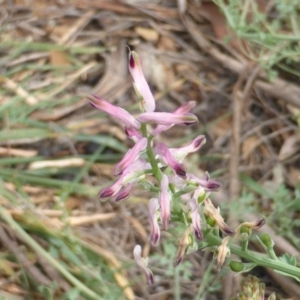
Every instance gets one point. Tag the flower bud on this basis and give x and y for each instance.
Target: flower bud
(183, 244)
(213, 213)
(165, 202)
(143, 263)
(155, 230)
(266, 240)
(272, 296)
(236, 266)
(245, 229)
(211, 222)
(223, 252)
(196, 221)
(244, 237)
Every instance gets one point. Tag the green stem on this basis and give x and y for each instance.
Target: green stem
(272, 253)
(177, 285)
(37, 248)
(257, 258)
(156, 170)
(244, 245)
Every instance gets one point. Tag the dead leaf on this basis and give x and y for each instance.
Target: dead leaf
(294, 175)
(115, 74)
(167, 43)
(249, 146)
(58, 58)
(290, 147)
(148, 34)
(221, 128)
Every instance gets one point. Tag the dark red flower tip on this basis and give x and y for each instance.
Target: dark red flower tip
(181, 172)
(189, 123)
(213, 185)
(198, 234)
(261, 222)
(177, 261)
(154, 238)
(106, 193)
(198, 141)
(92, 104)
(229, 231)
(131, 61)
(150, 279)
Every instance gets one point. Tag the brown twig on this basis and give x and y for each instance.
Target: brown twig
(239, 100)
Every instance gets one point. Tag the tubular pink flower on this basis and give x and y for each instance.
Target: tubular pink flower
(177, 181)
(165, 202)
(183, 243)
(166, 156)
(111, 190)
(206, 183)
(115, 111)
(185, 108)
(249, 226)
(125, 192)
(142, 263)
(133, 133)
(155, 231)
(131, 156)
(214, 213)
(193, 205)
(140, 84)
(131, 174)
(164, 118)
(181, 153)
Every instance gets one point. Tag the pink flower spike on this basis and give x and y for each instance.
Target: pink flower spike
(115, 111)
(133, 133)
(163, 151)
(165, 201)
(142, 263)
(140, 84)
(125, 192)
(155, 231)
(130, 156)
(164, 118)
(181, 153)
(193, 204)
(185, 108)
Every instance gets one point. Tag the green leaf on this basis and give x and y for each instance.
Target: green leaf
(72, 294)
(289, 259)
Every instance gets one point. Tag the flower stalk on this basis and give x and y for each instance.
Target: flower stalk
(255, 257)
(178, 196)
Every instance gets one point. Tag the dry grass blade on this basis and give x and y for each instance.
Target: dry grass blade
(36, 274)
(120, 278)
(13, 86)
